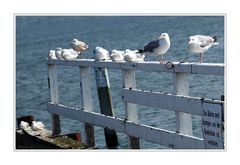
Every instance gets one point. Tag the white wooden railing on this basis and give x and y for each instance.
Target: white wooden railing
(179, 101)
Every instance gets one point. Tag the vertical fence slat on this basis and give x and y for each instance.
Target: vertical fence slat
(53, 85)
(87, 103)
(105, 101)
(129, 81)
(181, 87)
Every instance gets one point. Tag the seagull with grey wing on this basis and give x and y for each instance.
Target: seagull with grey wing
(200, 44)
(157, 47)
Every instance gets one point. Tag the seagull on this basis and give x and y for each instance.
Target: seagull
(79, 46)
(101, 54)
(37, 125)
(201, 43)
(133, 56)
(24, 125)
(140, 57)
(52, 55)
(69, 54)
(157, 47)
(117, 55)
(58, 53)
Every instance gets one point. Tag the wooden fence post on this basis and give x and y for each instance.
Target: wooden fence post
(53, 85)
(181, 87)
(102, 81)
(129, 81)
(87, 103)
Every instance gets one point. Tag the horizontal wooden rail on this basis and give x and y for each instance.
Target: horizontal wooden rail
(186, 104)
(156, 135)
(174, 67)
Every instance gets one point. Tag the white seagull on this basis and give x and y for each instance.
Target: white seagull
(24, 125)
(157, 47)
(79, 46)
(117, 55)
(101, 54)
(133, 56)
(37, 125)
(69, 54)
(58, 53)
(200, 44)
(52, 55)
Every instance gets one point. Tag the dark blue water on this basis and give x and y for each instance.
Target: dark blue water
(36, 35)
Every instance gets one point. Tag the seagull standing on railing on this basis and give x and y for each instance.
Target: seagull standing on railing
(133, 56)
(117, 55)
(200, 44)
(58, 53)
(101, 54)
(69, 54)
(79, 46)
(157, 47)
(52, 55)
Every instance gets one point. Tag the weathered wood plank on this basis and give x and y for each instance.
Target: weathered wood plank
(181, 87)
(86, 88)
(129, 81)
(209, 68)
(54, 97)
(156, 135)
(53, 83)
(171, 102)
(193, 68)
(87, 103)
(164, 137)
(88, 117)
(105, 101)
(43, 139)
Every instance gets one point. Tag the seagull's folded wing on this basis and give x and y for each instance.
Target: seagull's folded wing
(151, 46)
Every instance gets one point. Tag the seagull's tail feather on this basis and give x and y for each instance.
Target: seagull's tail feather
(140, 51)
